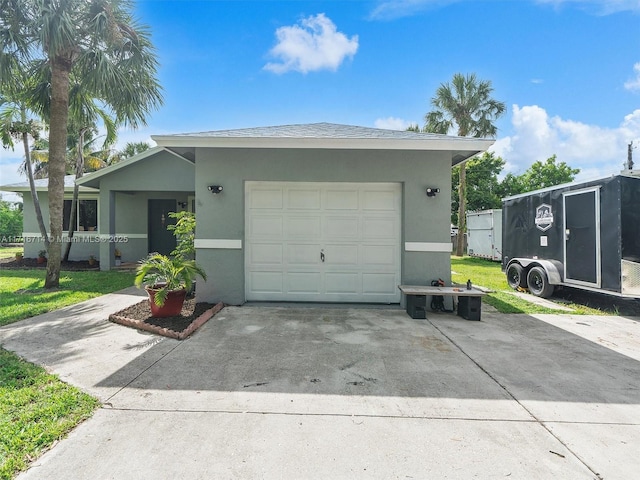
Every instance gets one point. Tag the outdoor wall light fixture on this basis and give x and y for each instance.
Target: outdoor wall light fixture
(431, 192)
(215, 189)
(182, 204)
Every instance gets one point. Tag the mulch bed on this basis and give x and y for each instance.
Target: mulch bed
(10, 263)
(192, 317)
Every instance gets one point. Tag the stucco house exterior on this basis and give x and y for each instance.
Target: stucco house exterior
(314, 212)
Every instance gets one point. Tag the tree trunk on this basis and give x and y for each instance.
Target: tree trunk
(60, 69)
(462, 221)
(32, 185)
(74, 201)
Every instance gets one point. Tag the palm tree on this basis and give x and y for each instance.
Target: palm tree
(100, 43)
(80, 155)
(83, 115)
(464, 105)
(15, 122)
(129, 150)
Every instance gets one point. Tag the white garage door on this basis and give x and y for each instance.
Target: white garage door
(323, 242)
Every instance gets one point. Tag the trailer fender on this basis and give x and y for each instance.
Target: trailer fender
(551, 267)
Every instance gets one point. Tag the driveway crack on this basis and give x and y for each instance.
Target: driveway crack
(108, 400)
(515, 399)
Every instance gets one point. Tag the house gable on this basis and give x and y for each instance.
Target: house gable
(156, 169)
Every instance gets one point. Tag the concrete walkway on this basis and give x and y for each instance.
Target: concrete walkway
(318, 393)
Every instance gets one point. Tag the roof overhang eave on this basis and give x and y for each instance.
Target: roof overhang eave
(463, 156)
(22, 189)
(459, 146)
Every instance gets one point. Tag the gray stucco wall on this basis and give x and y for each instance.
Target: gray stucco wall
(124, 198)
(157, 177)
(425, 219)
(84, 243)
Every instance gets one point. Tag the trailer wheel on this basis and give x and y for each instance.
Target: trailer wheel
(539, 283)
(516, 277)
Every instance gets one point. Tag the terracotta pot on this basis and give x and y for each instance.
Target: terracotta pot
(42, 259)
(172, 305)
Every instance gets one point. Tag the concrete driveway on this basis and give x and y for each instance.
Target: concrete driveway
(318, 393)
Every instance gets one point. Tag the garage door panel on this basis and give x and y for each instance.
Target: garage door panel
(379, 284)
(303, 254)
(345, 227)
(340, 254)
(266, 226)
(304, 282)
(304, 227)
(266, 282)
(264, 198)
(379, 255)
(380, 200)
(375, 228)
(355, 225)
(338, 199)
(342, 283)
(304, 199)
(266, 254)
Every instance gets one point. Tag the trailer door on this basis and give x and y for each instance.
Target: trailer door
(582, 237)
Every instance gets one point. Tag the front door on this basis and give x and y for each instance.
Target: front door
(161, 240)
(582, 237)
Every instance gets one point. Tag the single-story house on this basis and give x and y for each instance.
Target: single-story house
(313, 212)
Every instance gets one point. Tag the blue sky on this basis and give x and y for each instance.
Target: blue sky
(568, 70)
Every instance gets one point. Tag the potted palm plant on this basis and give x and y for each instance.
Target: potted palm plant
(167, 280)
(42, 256)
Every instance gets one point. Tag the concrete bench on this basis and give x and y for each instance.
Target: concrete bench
(469, 301)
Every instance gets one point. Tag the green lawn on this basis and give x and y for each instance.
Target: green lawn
(22, 295)
(9, 252)
(37, 409)
(489, 274)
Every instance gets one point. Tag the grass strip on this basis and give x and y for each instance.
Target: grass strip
(489, 274)
(36, 410)
(22, 294)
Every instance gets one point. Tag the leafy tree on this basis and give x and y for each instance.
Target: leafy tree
(547, 174)
(129, 150)
(185, 232)
(483, 186)
(538, 175)
(510, 185)
(10, 220)
(465, 105)
(96, 41)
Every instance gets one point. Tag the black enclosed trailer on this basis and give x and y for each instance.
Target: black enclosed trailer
(584, 235)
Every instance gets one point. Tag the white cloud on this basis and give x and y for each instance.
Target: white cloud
(634, 85)
(313, 44)
(595, 150)
(392, 123)
(392, 9)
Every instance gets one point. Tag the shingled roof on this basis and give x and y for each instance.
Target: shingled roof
(328, 135)
(315, 130)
